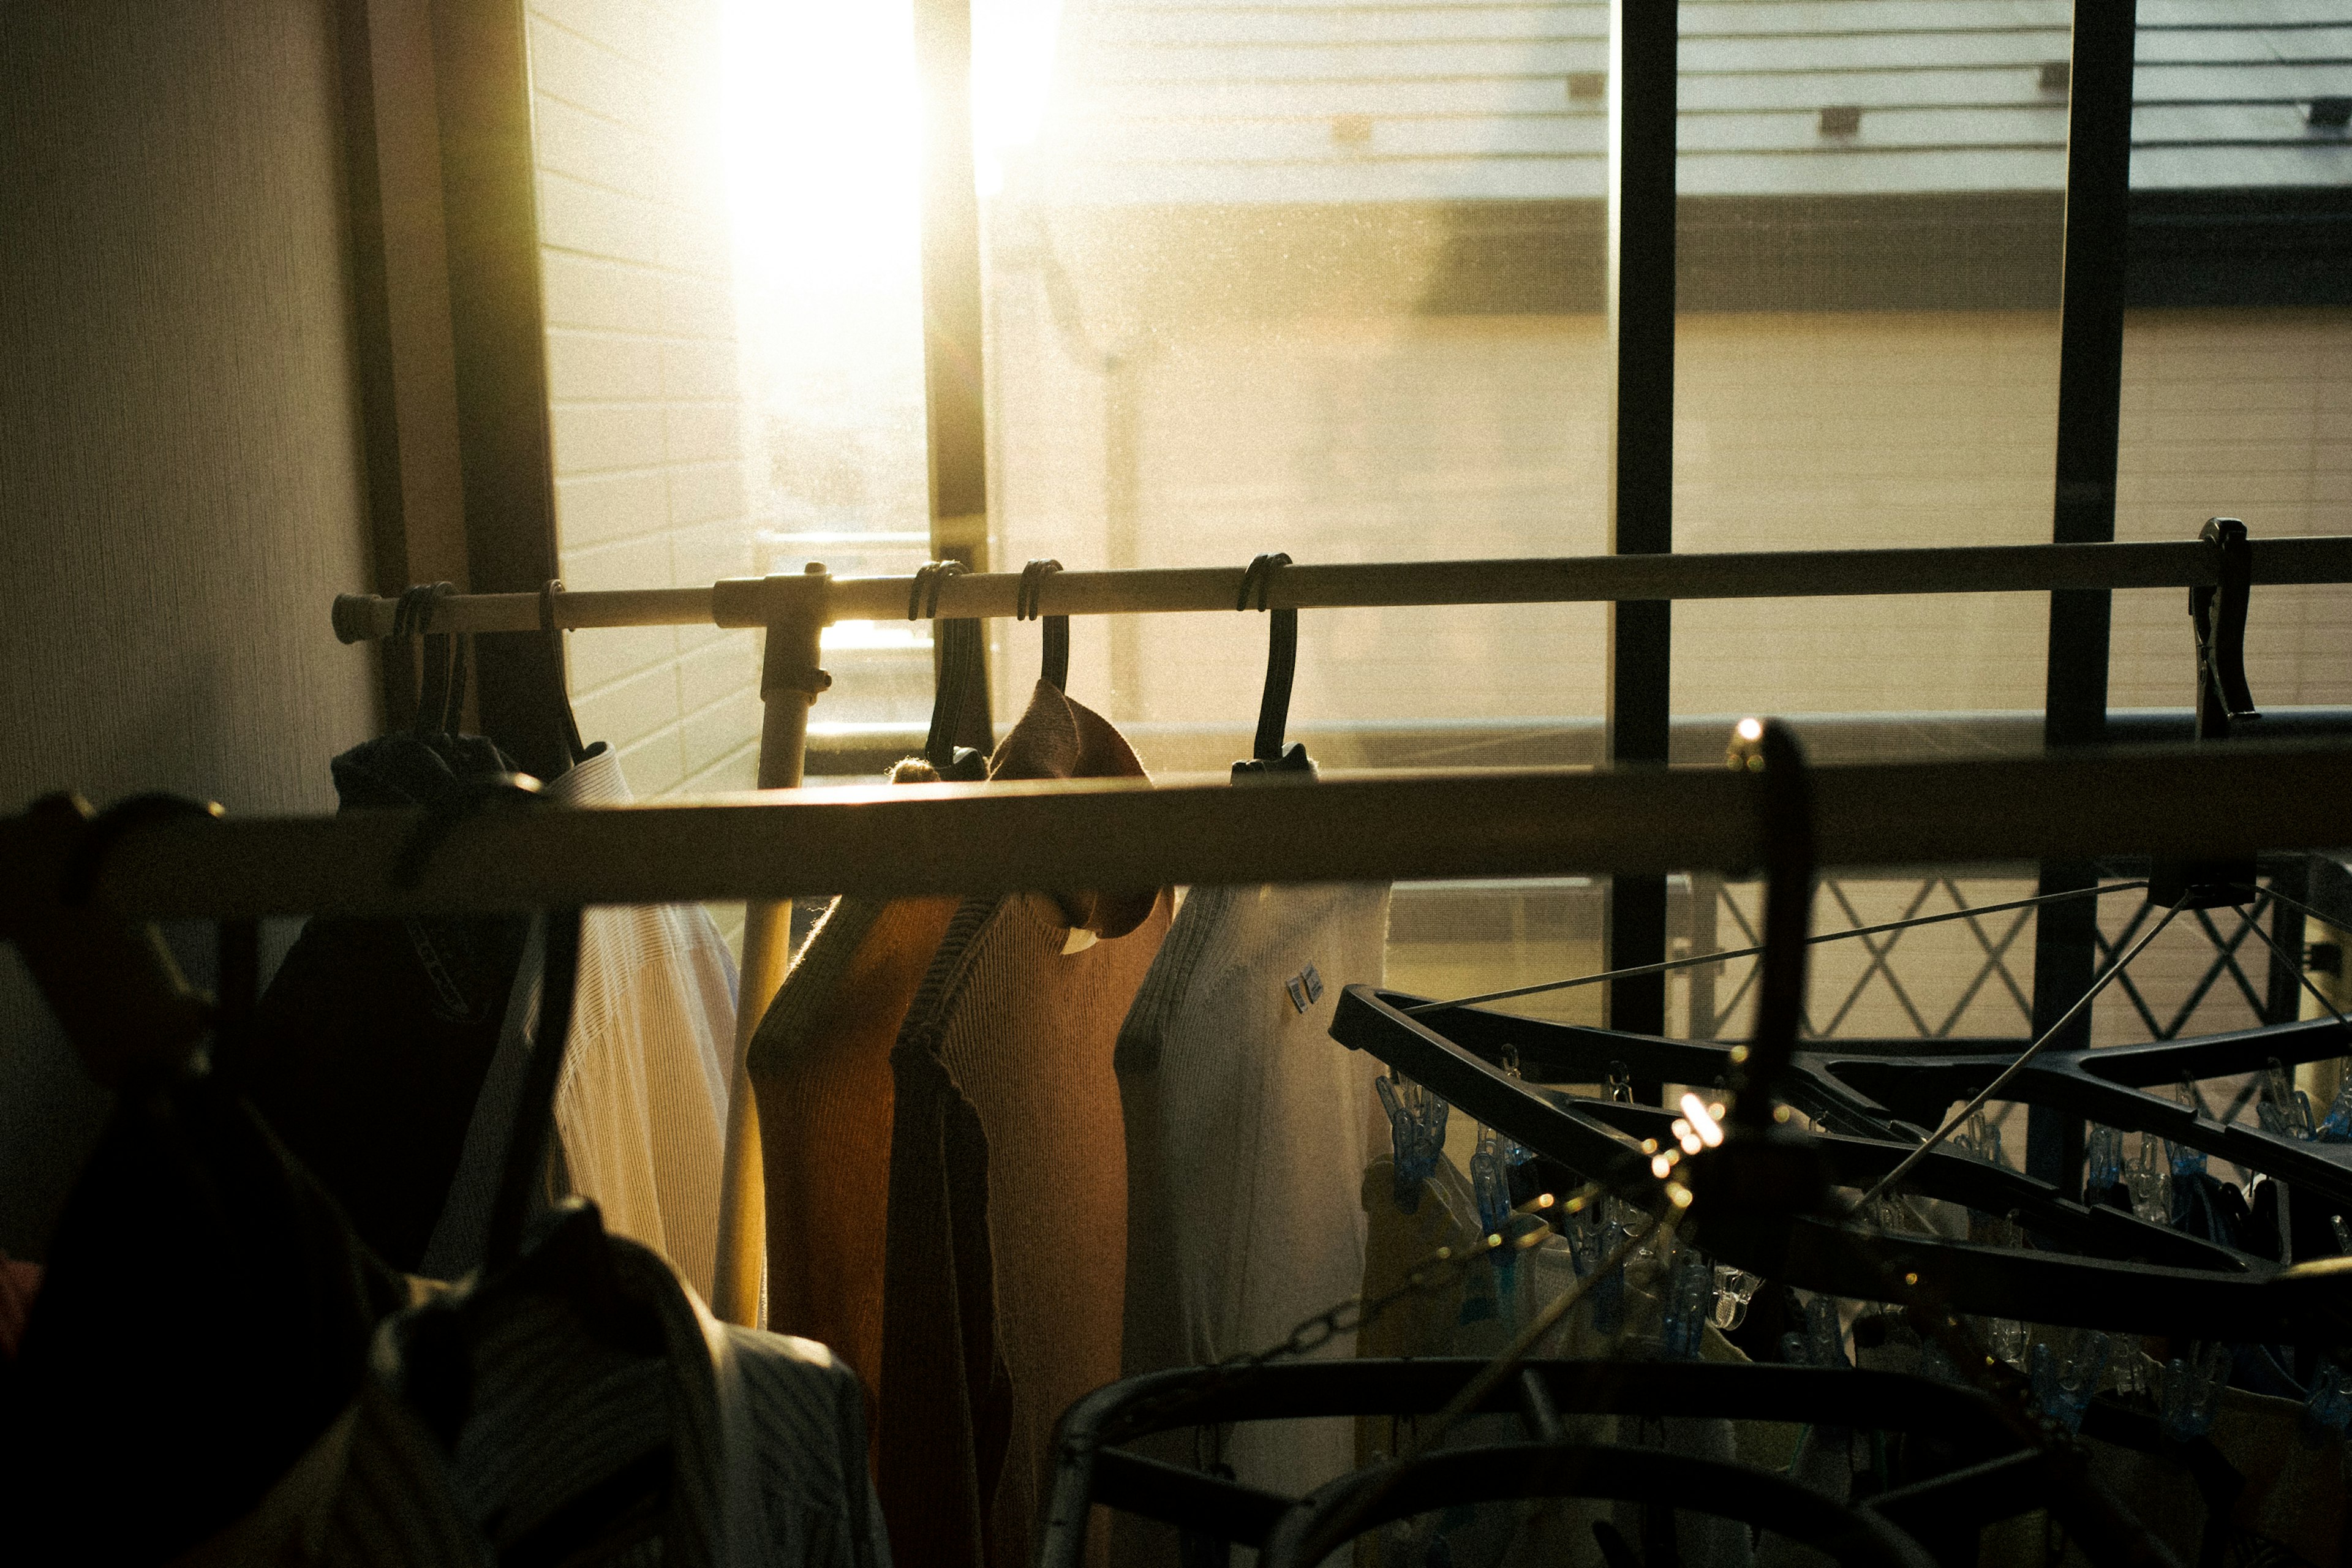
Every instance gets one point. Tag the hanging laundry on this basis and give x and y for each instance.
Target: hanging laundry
(820, 1072)
(370, 1045)
(641, 1110)
(515, 1423)
(204, 1317)
(1246, 1127)
(1007, 1239)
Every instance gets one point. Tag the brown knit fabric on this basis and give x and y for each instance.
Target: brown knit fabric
(820, 1072)
(820, 1068)
(1007, 1246)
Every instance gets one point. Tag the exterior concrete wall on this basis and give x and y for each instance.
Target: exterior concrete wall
(1398, 438)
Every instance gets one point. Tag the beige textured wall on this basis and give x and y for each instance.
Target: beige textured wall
(642, 380)
(179, 461)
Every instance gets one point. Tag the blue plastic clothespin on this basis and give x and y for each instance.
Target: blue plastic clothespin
(1416, 1133)
(2065, 1393)
(1819, 1339)
(1690, 1303)
(2189, 1394)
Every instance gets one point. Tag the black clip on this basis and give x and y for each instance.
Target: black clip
(1267, 755)
(1055, 670)
(2218, 612)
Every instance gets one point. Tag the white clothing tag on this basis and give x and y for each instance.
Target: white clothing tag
(1079, 940)
(1305, 988)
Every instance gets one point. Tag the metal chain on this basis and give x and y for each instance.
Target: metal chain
(1432, 1273)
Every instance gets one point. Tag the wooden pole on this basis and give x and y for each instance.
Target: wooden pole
(790, 681)
(894, 840)
(1735, 574)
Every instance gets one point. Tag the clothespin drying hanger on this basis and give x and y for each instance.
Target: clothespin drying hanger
(1267, 755)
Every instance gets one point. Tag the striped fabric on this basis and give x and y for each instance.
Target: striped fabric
(730, 1449)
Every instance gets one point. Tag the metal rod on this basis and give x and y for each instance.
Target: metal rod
(2010, 1072)
(2090, 402)
(2295, 964)
(1643, 41)
(1730, 575)
(1673, 963)
(903, 839)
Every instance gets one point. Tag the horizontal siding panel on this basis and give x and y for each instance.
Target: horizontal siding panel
(1784, 16)
(2250, 45)
(2212, 168)
(1871, 52)
(2192, 13)
(1362, 62)
(2282, 80)
(1867, 173)
(2224, 122)
(2008, 85)
(1365, 24)
(1260, 100)
(1881, 128)
(1313, 141)
(1397, 180)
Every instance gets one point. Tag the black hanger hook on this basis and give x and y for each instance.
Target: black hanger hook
(535, 1107)
(957, 666)
(469, 800)
(1267, 755)
(923, 597)
(547, 597)
(441, 697)
(1054, 669)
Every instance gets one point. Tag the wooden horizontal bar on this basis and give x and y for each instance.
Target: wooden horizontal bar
(1736, 574)
(2205, 801)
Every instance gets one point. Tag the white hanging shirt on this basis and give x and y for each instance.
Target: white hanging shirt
(641, 1112)
(1248, 1128)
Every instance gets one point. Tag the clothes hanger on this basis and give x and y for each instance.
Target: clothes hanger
(957, 673)
(441, 692)
(2233, 1297)
(559, 696)
(1308, 1531)
(570, 1256)
(1872, 1109)
(1054, 669)
(1764, 1189)
(1946, 1490)
(1268, 756)
(112, 983)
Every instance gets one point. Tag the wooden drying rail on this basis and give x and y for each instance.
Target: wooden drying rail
(1761, 574)
(2211, 801)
